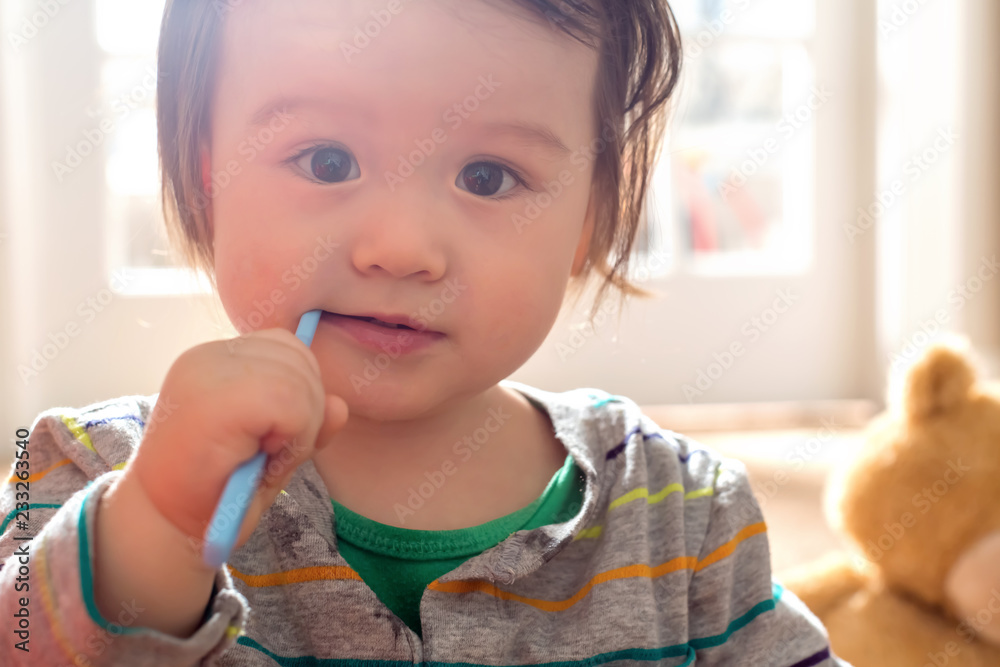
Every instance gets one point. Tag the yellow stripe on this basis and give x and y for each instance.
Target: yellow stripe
(643, 492)
(626, 572)
(119, 466)
(78, 432)
(295, 576)
(50, 608)
(589, 532)
(38, 475)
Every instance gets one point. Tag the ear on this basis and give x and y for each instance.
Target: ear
(583, 248)
(940, 380)
(206, 169)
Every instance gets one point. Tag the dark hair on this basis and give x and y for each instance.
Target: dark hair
(639, 67)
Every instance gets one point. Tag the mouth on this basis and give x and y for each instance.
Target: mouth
(386, 321)
(383, 333)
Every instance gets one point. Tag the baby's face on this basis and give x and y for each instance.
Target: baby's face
(364, 162)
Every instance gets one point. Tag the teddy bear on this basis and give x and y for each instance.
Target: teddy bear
(920, 504)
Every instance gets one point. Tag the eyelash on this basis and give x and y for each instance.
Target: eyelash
(511, 170)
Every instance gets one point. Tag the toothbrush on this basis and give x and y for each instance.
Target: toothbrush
(242, 485)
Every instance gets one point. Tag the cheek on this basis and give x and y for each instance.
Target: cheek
(247, 280)
(519, 311)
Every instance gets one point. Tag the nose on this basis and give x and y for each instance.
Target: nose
(400, 238)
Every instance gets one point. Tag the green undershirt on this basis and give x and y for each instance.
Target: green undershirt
(398, 563)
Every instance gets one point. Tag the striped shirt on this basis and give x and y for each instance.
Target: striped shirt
(666, 563)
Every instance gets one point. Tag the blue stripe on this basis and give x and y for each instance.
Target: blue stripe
(87, 577)
(649, 654)
(620, 447)
(814, 659)
(31, 506)
(679, 651)
(98, 422)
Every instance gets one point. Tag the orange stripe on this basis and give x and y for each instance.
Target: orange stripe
(51, 609)
(729, 547)
(628, 571)
(38, 475)
(295, 576)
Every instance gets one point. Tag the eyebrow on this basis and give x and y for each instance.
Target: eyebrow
(529, 133)
(526, 131)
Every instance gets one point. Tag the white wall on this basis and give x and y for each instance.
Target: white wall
(939, 75)
(979, 173)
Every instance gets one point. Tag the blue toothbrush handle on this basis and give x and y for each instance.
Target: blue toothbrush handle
(232, 509)
(224, 527)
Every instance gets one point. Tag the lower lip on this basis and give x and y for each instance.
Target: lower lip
(381, 339)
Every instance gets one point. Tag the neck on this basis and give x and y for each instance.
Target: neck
(487, 455)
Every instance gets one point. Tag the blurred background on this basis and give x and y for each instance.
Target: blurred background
(827, 202)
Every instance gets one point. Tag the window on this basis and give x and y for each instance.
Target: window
(734, 189)
(127, 33)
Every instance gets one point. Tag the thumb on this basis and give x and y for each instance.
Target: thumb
(335, 416)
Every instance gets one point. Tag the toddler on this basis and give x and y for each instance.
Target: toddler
(436, 176)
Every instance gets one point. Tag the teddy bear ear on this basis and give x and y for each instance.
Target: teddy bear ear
(939, 381)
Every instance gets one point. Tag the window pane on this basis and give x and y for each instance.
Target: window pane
(128, 31)
(129, 27)
(739, 157)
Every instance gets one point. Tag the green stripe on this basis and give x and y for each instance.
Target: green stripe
(628, 654)
(13, 513)
(677, 650)
(87, 577)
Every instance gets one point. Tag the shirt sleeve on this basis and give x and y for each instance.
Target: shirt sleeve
(46, 576)
(738, 614)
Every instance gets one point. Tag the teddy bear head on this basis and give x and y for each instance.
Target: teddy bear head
(921, 500)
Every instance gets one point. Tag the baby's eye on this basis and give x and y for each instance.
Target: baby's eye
(488, 179)
(328, 164)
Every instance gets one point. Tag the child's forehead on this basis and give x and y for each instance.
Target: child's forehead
(434, 50)
(399, 28)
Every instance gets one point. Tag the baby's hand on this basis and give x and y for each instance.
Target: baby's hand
(227, 401)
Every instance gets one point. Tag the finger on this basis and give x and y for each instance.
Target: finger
(277, 346)
(290, 342)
